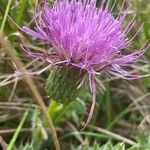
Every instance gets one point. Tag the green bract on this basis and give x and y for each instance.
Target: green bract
(62, 83)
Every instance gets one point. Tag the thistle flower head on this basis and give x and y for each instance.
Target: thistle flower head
(85, 37)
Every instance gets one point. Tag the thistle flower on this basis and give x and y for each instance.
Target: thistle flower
(85, 40)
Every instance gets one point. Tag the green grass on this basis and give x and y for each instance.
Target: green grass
(20, 126)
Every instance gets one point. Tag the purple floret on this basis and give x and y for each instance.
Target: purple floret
(86, 36)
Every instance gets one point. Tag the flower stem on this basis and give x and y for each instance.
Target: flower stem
(109, 104)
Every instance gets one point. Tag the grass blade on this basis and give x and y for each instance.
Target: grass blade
(14, 138)
(5, 16)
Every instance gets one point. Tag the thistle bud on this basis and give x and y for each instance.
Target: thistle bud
(62, 83)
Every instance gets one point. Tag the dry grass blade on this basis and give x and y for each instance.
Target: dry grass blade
(113, 135)
(28, 79)
(3, 144)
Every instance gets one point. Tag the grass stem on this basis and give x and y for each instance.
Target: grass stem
(28, 79)
(5, 16)
(14, 138)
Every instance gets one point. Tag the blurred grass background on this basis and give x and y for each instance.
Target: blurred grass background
(122, 111)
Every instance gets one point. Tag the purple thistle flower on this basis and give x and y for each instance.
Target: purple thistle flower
(85, 37)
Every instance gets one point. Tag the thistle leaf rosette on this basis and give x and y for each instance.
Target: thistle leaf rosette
(83, 38)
